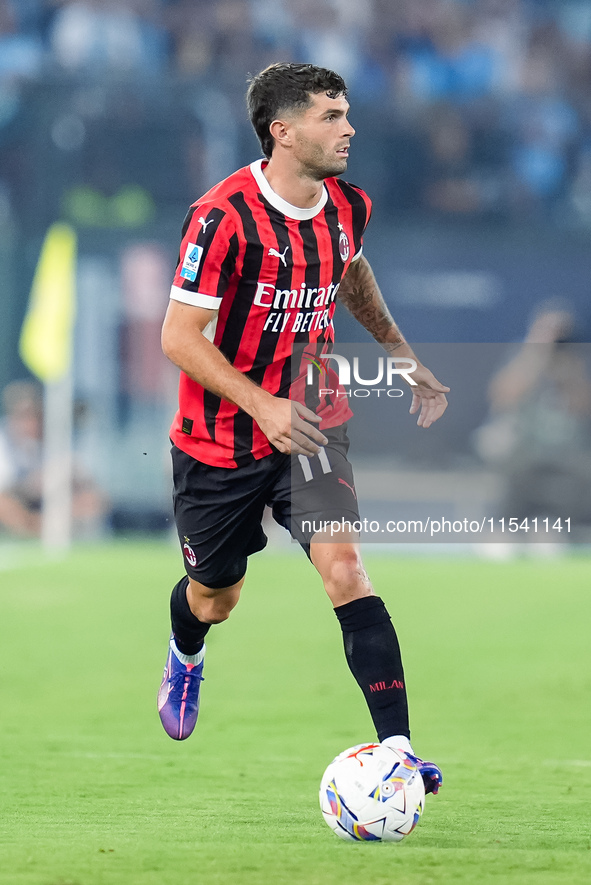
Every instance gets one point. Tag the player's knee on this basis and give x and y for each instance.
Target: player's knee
(212, 605)
(215, 611)
(214, 617)
(345, 571)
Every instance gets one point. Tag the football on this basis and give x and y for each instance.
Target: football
(372, 793)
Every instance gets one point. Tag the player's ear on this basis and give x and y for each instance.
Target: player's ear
(282, 133)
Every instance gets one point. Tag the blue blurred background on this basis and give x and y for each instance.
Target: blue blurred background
(473, 122)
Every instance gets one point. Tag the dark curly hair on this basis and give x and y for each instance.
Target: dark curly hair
(282, 87)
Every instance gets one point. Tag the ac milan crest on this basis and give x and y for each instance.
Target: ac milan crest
(344, 247)
(189, 555)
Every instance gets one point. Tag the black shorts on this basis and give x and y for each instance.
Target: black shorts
(218, 510)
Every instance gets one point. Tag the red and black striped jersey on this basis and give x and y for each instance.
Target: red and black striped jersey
(271, 272)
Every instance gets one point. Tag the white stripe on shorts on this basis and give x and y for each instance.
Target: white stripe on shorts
(306, 469)
(324, 462)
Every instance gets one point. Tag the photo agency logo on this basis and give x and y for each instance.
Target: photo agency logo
(388, 372)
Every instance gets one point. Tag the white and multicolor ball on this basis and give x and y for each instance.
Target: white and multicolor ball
(372, 793)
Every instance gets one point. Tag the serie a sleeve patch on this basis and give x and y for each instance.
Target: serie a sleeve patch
(191, 261)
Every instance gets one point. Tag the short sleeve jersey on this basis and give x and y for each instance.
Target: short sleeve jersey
(271, 272)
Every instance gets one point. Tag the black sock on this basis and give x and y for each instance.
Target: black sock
(189, 632)
(373, 655)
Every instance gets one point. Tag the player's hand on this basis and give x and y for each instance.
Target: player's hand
(286, 424)
(428, 396)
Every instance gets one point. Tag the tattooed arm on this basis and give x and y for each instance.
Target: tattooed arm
(361, 295)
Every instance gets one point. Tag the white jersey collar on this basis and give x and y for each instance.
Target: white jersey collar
(279, 203)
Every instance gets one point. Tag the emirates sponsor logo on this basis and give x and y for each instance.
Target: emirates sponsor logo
(296, 310)
(305, 298)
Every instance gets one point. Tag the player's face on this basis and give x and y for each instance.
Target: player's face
(321, 137)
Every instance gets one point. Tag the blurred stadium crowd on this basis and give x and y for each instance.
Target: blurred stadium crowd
(473, 122)
(484, 104)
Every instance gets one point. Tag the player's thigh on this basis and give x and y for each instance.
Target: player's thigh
(316, 497)
(218, 513)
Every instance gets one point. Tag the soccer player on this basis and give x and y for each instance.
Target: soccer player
(264, 255)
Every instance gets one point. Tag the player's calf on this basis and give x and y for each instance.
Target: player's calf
(178, 695)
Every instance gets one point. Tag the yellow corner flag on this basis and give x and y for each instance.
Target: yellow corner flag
(46, 336)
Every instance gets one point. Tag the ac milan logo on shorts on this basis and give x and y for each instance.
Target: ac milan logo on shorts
(344, 247)
(190, 555)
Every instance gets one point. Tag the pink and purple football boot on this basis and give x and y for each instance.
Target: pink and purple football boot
(178, 696)
(431, 774)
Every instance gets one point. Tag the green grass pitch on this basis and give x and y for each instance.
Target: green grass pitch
(94, 793)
